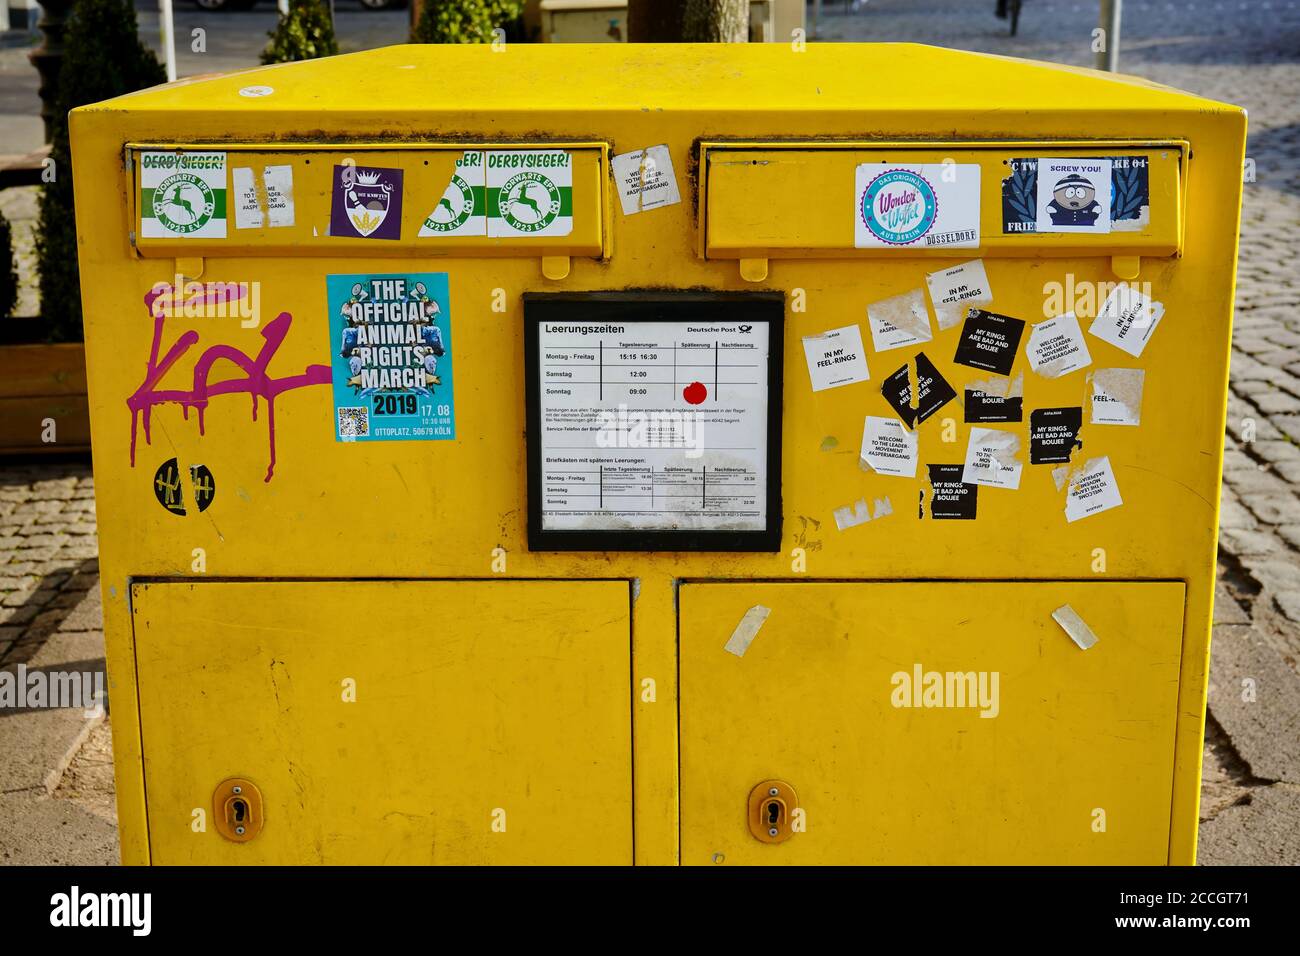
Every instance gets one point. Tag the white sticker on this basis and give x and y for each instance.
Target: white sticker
(1117, 396)
(746, 630)
(646, 180)
(928, 205)
(850, 516)
(888, 448)
(1075, 626)
(1056, 347)
(1092, 490)
(279, 195)
(953, 290)
(182, 195)
(253, 92)
(1074, 195)
(991, 459)
(462, 207)
(835, 358)
(530, 193)
(899, 321)
(248, 212)
(1127, 319)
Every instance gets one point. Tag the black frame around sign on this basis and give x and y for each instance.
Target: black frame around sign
(654, 306)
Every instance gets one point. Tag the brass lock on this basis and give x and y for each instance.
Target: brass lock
(771, 811)
(237, 809)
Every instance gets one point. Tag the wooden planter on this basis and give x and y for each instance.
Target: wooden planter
(41, 382)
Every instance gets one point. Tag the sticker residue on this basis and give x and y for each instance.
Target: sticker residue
(991, 459)
(954, 290)
(1117, 396)
(1075, 626)
(746, 630)
(899, 321)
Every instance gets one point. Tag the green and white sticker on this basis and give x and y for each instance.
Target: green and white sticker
(183, 195)
(529, 193)
(462, 207)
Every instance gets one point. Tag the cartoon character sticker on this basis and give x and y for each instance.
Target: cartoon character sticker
(1074, 195)
(366, 202)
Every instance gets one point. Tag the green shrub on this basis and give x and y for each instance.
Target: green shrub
(306, 33)
(464, 21)
(103, 57)
(8, 277)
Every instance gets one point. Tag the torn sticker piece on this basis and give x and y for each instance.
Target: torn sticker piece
(850, 516)
(888, 448)
(1075, 626)
(933, 391)
(746, 630)
(646, 180)
(989, 341)
(955, 290)
(883, 507)
(1054, 434)
(950, 497)
(278, 181)
(996, 400)
(1127, 319)
(991, 459)
(836, 358)
(248, 211)
(462, 207)
(1056, 347)
(1092, 490)
(899, 321)
(1116, 396)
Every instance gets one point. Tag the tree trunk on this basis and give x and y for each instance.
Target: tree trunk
(688, 21)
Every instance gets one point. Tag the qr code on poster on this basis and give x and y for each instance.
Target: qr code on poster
(354, 422)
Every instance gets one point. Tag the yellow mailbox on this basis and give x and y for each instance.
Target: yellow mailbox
(693, 454)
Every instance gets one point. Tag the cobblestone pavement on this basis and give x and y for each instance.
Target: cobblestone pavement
(1244, 52)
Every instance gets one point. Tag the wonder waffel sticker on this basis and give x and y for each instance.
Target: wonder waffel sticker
(927, 205)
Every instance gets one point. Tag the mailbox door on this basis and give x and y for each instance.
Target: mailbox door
(1072, 764)
(406, 722)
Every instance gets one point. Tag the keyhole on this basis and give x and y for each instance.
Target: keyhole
(239, 808)
(773, 814)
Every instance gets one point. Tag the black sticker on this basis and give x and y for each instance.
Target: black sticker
(1054, 434)
(982, 407)
(989, 341)
(935, 392)
(167, 486)
(204, 485)
(1130, 190)
(950, 497)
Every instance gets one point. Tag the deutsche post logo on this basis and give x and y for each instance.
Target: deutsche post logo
(899, 206)
(529, 202)
(183, 203)
(454, 208)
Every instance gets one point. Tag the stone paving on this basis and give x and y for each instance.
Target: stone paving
(56, 793)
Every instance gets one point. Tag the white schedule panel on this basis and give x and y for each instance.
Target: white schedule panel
(652, 425)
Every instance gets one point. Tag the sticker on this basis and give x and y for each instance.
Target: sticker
(888, 448)
(1074, 195)
(991, 459)
(899, 321)
(989, 341)
(646, 180)
(1116, 396)
(933, 390)
(1092, 490)
(278, 181)
(850, 516)
(927, 205)
(167, 486)
(248, 212)
(1075, 626)
(1056, 347)
(950, 497)
(462, 207)
(835, 358)
(256, 91)
(997, 400)
(390, 336)
(1127, 319)
(746, 630)
(529, 193)
(182, 195)
(253, 211)
(954, 290)
(367, 202)
(1054, 434)
(1130, 195)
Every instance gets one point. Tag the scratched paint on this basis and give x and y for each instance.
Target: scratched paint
(256, 382)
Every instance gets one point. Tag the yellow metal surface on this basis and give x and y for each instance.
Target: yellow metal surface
(389, 722)
(1064, 756)
(457, 509)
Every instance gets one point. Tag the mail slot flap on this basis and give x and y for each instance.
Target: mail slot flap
(806, 200)
(327, 200)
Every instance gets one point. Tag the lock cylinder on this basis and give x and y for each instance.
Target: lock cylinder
(237, 809)
(771, 811)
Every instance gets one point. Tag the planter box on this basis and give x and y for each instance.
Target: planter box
(40, 382)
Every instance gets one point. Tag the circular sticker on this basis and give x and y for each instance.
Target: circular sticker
(530, 202)
(183, 203)
(257, 91)
(455, 207)
(899, 206)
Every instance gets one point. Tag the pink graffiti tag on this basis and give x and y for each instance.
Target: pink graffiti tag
(256, 382)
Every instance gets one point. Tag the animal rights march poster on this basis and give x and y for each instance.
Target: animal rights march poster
(390, 344)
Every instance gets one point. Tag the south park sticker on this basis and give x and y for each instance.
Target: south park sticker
(390, 339)
(529, 193)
